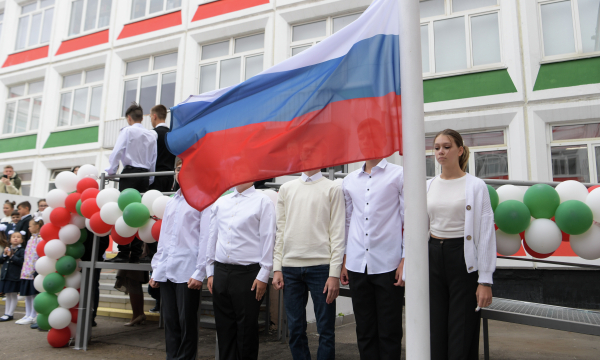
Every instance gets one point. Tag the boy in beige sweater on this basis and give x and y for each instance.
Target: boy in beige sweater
(308, 255)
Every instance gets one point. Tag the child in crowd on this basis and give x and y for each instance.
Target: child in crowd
(27, 290)
(24, 209)
(12, 225)
(7, 208)
(12, 260)
(3, 245)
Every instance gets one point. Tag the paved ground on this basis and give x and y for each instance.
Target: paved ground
(111, 340)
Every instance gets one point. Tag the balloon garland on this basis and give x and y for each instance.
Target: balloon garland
(77, 204)
(544, 217)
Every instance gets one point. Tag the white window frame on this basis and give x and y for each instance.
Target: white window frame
(139, 76)
(154, 14)
(578, 54)
(468, 15)
(30, 15)
(71, 90)
(591, 144)
(82, 25)
(231, 55)
(26, 182)
(15, 100)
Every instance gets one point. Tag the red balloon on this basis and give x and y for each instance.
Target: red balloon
(89, 208)
(60, 217)
(156, 229)
(86, 183)
(98, 226)
(39, 249)
(533, 253)
(74, 313)
(50, 231)
(58, 338)
(591, 188)
(71, 202)
(90, 193)
(119, 239)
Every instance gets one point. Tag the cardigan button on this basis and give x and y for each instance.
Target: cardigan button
(468, 207)
(468, 237)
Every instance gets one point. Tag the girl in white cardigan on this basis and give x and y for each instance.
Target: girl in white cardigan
(462, 251)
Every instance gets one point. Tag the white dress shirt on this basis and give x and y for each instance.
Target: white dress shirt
(135, 146)
(242, 232)
(181, 252)
(315, 177)
(374, 218)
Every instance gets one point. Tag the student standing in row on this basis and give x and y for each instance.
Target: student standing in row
(27, 290)
(10, 281)
(239, 262)
(24, 210)
(462, 251)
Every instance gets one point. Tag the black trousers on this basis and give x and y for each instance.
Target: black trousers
(135, 248)
(180, 311)
(377, 305)
(236, 311)
(452, 302)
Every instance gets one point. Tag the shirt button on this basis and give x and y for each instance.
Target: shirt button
(367, 189)
(367, 218)
(469, 237)
(367, 203)
(367, 234)
(471, 268)
(367, 249)
(468, 207)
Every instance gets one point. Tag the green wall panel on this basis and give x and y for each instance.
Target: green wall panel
(468, 86)
(72, 137)
(18, 143)
(568, 73)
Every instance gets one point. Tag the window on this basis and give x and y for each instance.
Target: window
(150, 81)
(1, 23)
(459, 35)
(230, 62)
(570, 27)
(23, 107)
(35, 24)
(81, 98)
(575, 152)
(306, 35)
(25, 182)
(53, 174)
(97, 15)
(489, 155)
(142, 8)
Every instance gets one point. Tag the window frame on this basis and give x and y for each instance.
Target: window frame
(590, 143)
(154, 14)
(26, 182)
(1, 22)
(71, 90)
(82, 25)
(468, 15)
(15, 100)
(578, 54)
(38, 10)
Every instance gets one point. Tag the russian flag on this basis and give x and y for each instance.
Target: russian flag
(335, 103)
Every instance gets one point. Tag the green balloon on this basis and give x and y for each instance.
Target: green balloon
(512, 216)
(66, 265)
(78, 207)
(136, 215)
(42, 321)
(82, 237)
(494, 199)
(542, 200)
(128, 196)
(574, 217)
(75, 251)
(45, 302)
(54, 283)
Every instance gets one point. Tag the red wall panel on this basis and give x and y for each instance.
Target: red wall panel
(25, 56)
(149, 25)
(221, 7)
(83, 42)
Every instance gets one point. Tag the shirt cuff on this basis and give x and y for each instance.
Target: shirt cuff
(263, 275)
(335, 271)
(486, 277)
(199, 275)
(210, 270)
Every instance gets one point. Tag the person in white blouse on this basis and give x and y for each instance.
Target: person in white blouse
(239, 260)
(462, 251)
(179, 269)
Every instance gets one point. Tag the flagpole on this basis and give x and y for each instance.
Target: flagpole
(415, 197)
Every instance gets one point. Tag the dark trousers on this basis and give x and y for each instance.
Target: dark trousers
(96, 292)
(180, 311)
(299, 281)
(236, 311)
(163, 183)
(377, 305)
(135, 248)
(452, 302)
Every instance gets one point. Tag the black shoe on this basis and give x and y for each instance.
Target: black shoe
(155, 309)
(145, 260)
(118, 259)
(94, 324)
(134, 260)
(34, 326)
(42, 330)
(6, 318)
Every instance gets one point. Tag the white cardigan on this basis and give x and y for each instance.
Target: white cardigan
(480, 234)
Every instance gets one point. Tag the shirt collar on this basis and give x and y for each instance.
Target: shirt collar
(382, 164)
(315, 177)
(138, 125)
(247, 193)
(162, 124)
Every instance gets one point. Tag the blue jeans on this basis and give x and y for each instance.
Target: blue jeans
(298, 282)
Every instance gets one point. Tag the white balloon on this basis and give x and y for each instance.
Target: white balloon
(543, 236)
(272, 195)
(38, 282)
(73, 280)
(78, 221)
(571, 190)
(145, 232)
(68, 297)
(66, 181)
(59, 318)
(507, 244)
(159, 205)
(70, 234)
(45, 265)
(587, 245)
(55, 249)
(87, 170)
(123, 229)
(73, 327)
(46, 214)
(56, 198)
(593, 201)
(107, 196)
(149, 197)
(509, 192)
(110, 212)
